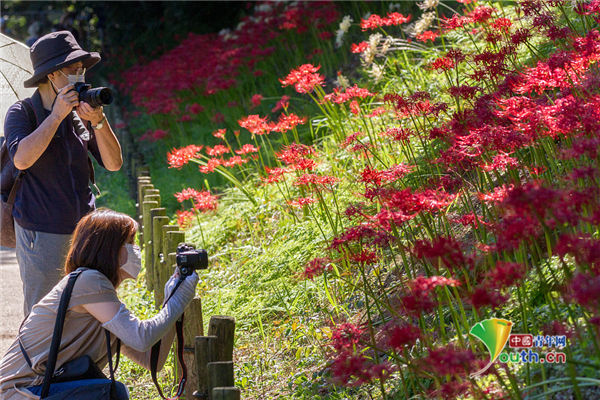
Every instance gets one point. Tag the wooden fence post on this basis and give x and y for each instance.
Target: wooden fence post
(223, 327)
(146, 227)
(140, 217)
(157, 238)
(152, 197)
(192, 327)
(165, 269)
(220, 374)
(205, 348)
(226, 393)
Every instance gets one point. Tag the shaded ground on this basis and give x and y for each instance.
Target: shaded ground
(11, 298)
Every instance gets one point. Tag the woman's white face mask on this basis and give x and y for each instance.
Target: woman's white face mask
(133, 265)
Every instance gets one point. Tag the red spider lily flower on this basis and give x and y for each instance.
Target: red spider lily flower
(315, 180)
(417, 303)
(584, 289)
(425, 284)
(502, 24)
(470, 219)
(288, 122)
(218, 118)
(398, 134)
(365, 234)
(338, 96)
(354, 107)
(376, 177)
(446, 249)
(428, 35)
(294, 152)
(347, 336)
(463, 91)
(304, 78)
(359, 48)
(350, 139)
(184, 118)
(455, 22)
(399, 335)
(186, 194)
(155, 135)
(351, 369)
(453, 389)
(481, 13)
(256, 100)
(184, 218)
(486, 295)
(501, 162)
(177, 158)
(316, 267)
(497, 195)
(232, 104)
(514, 229)
(233, 161)
(255, 124)
(505, 274)
(210, 165)
(275, 175)
(301, 202)
(365, 256)
(584, 248)
(283, 103)
(558, 328)
(449, 360)
(247, 149)
(194, 108)
(375, 21)
(377, 112)
(202, 200)
(219, 133)
(217, 150)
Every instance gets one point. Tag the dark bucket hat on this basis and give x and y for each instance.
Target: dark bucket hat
(55, 50)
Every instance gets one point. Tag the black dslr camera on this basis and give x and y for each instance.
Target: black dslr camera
(189, 259)
(95, 97)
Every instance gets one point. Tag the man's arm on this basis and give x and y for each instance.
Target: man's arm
(31, 147)
(108, 144)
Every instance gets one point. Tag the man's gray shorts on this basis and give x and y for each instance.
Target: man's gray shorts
(41, 257)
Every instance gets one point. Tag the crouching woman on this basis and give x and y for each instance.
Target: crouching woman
(103, 249)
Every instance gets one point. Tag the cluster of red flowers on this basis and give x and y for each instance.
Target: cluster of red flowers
(375, 21)
(304, 78)
(209, 63)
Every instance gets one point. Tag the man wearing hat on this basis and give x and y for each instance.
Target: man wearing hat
(55, 191)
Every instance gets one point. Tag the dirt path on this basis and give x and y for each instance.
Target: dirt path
(11, 298)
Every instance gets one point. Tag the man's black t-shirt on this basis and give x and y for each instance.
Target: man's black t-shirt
(55, 191)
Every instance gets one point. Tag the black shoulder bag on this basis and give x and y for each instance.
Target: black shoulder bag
(80, 369)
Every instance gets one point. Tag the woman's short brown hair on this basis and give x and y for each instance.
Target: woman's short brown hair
(97, 240)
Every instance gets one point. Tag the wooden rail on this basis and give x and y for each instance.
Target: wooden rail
(209, 359)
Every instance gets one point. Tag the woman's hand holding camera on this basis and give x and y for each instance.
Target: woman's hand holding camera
(66, 100)
(190, 282)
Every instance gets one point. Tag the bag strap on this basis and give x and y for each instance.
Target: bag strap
(57, 335)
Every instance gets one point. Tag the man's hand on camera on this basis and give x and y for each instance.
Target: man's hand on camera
(89, 113)
(66, 100)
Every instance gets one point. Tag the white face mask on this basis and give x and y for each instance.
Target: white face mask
(133, 265)
(78, 77)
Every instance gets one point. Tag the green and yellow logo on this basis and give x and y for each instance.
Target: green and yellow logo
(493, 333)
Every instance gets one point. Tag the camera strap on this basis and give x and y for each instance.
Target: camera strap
(154, 353)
